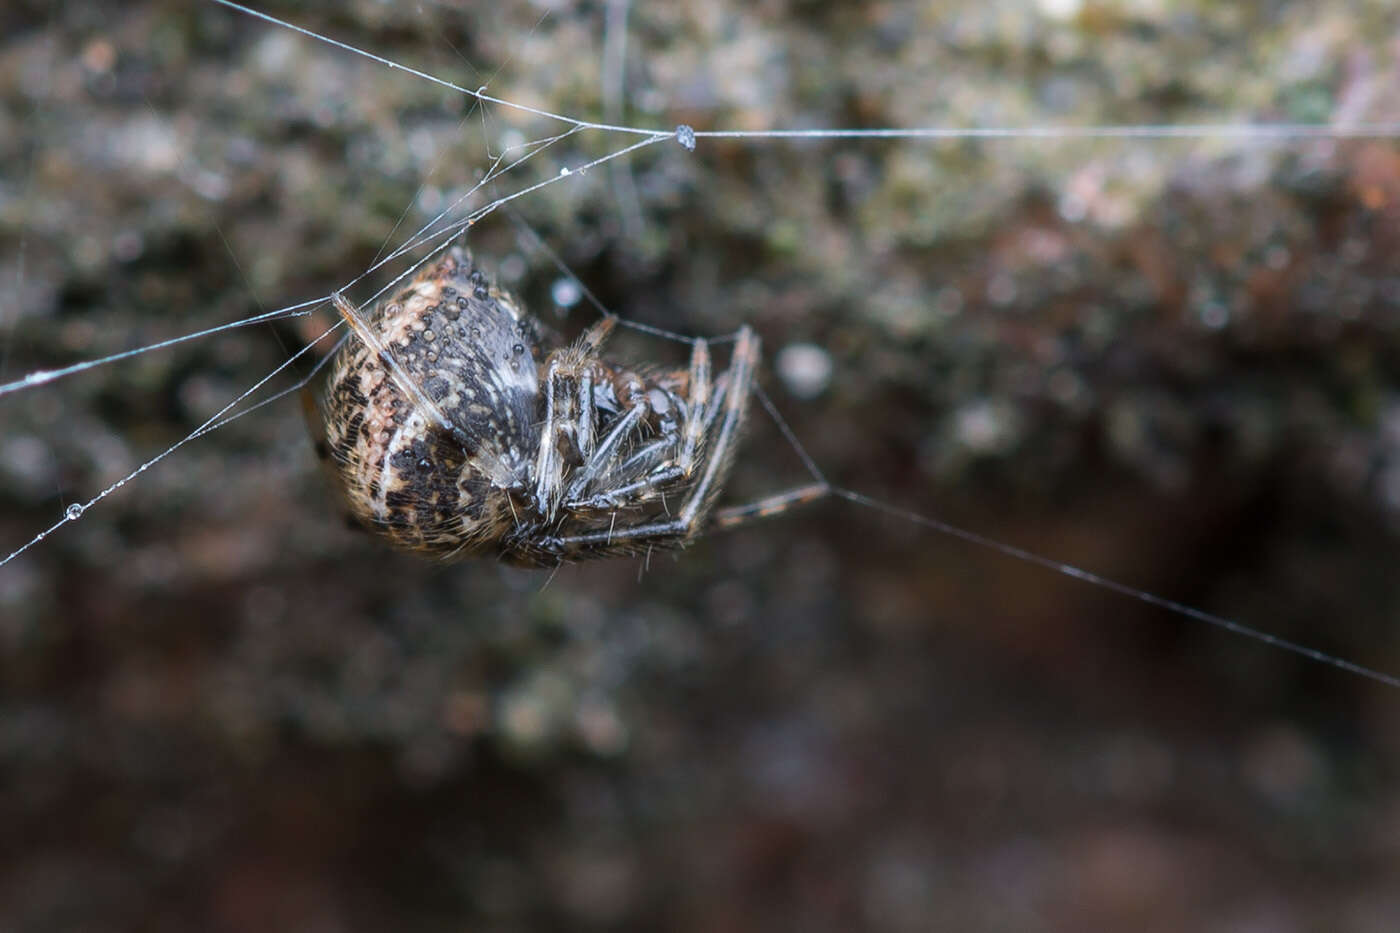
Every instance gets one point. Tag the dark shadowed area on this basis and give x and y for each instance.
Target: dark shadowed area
(1175, 363)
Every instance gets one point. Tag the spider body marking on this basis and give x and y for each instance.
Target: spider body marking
(455, 431)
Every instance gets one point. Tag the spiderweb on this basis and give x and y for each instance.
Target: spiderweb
(984, 330)
(508, 155)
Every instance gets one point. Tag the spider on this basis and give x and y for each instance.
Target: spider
(450, 437)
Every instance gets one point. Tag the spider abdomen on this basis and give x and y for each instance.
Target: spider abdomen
(432, 463)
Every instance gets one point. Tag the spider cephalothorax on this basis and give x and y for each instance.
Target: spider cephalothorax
(456, 433)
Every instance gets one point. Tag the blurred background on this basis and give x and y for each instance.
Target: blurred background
(1171, 362)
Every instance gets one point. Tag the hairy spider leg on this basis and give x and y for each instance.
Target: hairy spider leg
(605, 456)
(775, 504)
(778, 502)
(629, 539)
(567, 429)
(656, 474)
(567, 437)
(697, 404)
(650, 461)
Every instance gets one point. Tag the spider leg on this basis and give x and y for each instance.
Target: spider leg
(714, 459)
(640, 492)
(778, 502)
(645, 460)
(568, 437)
(605, 456)
(562, 409)
(590, 342)
(720, 457)
(770, 505)
(657, 463)
(697, 403)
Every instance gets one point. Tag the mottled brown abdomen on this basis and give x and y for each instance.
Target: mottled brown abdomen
(431, 432)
